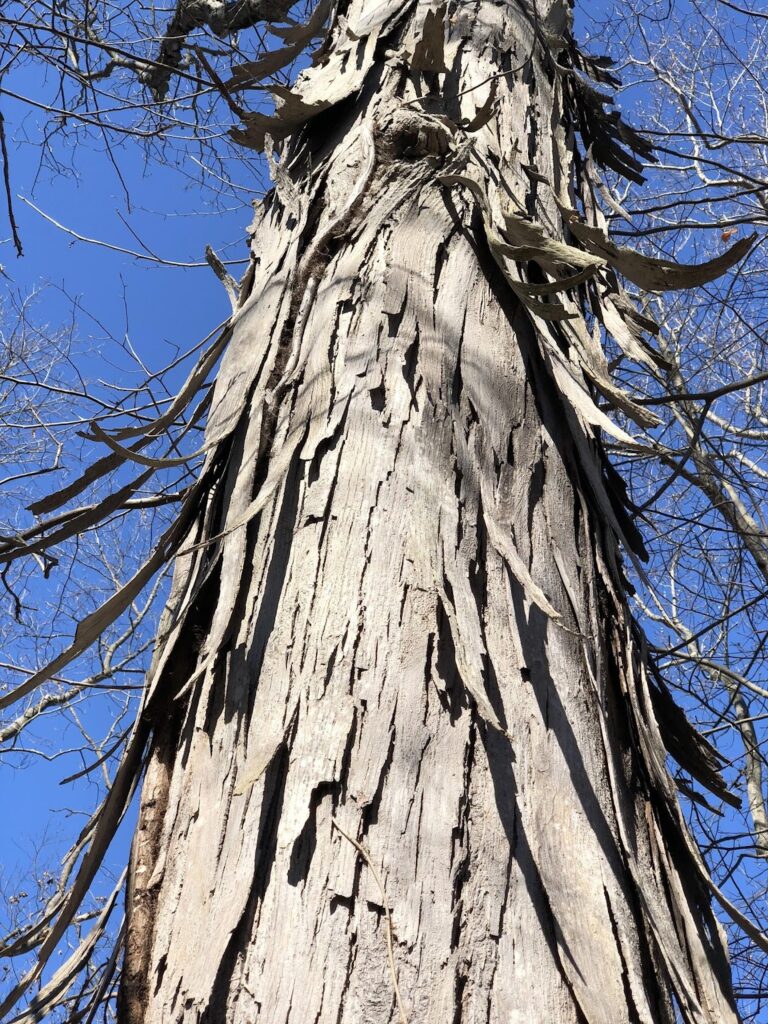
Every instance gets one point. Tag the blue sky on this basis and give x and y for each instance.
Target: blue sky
(104, 296)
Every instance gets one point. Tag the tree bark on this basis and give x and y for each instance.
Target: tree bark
(413, 770)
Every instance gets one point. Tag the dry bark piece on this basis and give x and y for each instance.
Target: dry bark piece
(654, 275)
(250, 73)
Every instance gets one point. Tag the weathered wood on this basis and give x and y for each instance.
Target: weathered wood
(413, 629)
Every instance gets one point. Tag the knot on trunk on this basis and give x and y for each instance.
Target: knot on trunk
(410, 134)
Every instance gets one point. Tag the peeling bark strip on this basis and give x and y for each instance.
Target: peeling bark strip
(420, 641)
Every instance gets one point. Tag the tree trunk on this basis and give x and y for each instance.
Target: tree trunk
(405, 763)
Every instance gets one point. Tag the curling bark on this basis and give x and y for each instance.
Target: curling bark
(398, 698)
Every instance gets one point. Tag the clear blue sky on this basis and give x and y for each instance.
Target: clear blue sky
(161, 309)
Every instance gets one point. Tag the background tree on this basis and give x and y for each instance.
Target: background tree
(701, 76)
(403, 740)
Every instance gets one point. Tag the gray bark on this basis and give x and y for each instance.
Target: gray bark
(405, 739)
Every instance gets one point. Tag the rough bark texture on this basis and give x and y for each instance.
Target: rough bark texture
(413, 631)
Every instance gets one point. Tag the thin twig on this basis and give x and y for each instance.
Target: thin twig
(708, 396)
(119, 248)
(387, 916)
(7, 184)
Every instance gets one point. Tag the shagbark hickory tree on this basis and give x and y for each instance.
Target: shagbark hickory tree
(403, 757)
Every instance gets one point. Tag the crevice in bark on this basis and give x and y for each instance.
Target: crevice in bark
(559, 947)
(266, 844)
(460, 984)
(630, 999)
(533, 640)
(457, 384)
(410, 366)
(378, 397)
(452, 695)
(275, 577)
(142, 887)
(461, 853)
(327, 446)
(193, 634)
(440, 261)
(348, 975)
(217, 703)
(505, 789)
(533, 151)
(346, 757)
(536, 492)
(370, 812)
(394, 323)
(304, 845)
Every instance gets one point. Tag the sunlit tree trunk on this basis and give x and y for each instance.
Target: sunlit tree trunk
(406, 763)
